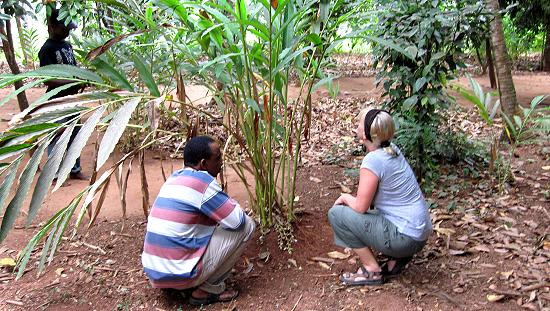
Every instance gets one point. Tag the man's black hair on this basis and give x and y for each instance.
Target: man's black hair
(196, 149)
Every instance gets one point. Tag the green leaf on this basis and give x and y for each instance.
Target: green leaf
(114, 131)
(25, 182)
(322, 82)
(9, 151)
(112, 74)
(48, 172)
(8, 182)
(48, 95)
(62, 71)
(53, 116)
(518, 121)
(146, 75)
(77, 145)
(537, 100)
(20, 90)
(177, 7)
(419, 84)
(33, 128)
(410, 102)
(252, 104)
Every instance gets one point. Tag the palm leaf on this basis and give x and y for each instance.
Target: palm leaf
(8, 181)
(77, 145)
(20, 90)
(25, 181)
(115, 130)
(48, 173)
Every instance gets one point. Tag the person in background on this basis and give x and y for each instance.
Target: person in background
(56, 50)
(399, 225)
(195, 231)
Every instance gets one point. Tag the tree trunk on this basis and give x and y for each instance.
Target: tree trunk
(546, 54)
(22, 41)
(9, 53)
(490, 64)
(508, 99)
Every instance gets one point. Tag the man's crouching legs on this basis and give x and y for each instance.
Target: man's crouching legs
(223, 251)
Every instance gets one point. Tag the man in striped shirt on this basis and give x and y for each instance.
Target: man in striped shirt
(195, 231)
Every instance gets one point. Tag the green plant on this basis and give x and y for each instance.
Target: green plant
(29, 41)
(434, 35)
(244, 53)
(486, 108)
(519, 131)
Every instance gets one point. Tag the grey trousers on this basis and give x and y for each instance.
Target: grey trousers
(223, 251)
(355, 230)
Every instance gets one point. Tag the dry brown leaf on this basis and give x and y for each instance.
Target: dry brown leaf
(264, 256)
(507, 274)
(7, 262)
(458, 245)
(345, 189)
(338, 255)
(59, 271)
(315, 179)
(494, 297)
(482, 248)
(455, 252)
(445, 231)
(293, 262)
(323, 265)
(532, 296)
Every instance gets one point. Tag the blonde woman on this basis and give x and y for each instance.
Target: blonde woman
(399, 224)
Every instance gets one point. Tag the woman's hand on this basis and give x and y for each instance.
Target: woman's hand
(346, 199)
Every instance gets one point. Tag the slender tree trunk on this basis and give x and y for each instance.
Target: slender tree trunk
(546, 54)
(490, 64)
(9, 53)
(508, 99)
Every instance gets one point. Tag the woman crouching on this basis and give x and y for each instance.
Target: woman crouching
(399, 224)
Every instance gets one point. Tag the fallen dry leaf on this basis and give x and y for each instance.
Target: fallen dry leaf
(315, 179)
(338, 255)
(546, 168)
(482, 248)
(293, 262)
(59, 271)
(494, 297)
(507, 274)
(532, 296)
(323, 265)
(7, 262)
(345, 189)
(264, 256)
(455, 252)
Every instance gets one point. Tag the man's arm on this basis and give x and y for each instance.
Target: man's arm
(221, 208)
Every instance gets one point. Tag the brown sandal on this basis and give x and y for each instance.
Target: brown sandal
(366, 278)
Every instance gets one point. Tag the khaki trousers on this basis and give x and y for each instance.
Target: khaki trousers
(223, 251)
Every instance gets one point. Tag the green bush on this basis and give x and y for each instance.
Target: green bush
(434, 34)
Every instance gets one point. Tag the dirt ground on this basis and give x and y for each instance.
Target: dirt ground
(485, 246)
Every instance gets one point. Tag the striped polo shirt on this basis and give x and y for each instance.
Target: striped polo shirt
(182, 220)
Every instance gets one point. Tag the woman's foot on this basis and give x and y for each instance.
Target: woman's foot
(200, 297)
(362, 277)
(395, 266)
